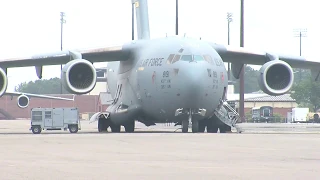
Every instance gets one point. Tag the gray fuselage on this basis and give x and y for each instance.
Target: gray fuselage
(167, 74)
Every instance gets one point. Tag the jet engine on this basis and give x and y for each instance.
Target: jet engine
(23, 101)
(3, 82)
(79, 76)
(276, 77)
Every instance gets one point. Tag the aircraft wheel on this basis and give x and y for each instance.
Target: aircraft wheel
(212, 126)
(185, 126)
(129, 127)
(115, 128)
(224, 128)
(195, 126)
(202, 125)
(228, 128)
(102, 125)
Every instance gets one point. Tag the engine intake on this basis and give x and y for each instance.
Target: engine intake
(79, 76)
(23, 101)
(276, 77)
(3, 82)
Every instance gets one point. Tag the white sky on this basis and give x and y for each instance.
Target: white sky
(33, 26)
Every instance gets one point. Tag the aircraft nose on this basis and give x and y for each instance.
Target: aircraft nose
(192, 83)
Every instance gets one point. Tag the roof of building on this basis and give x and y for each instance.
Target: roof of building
(235, 97)
(105, 98)
(268, 98)
(261, 97)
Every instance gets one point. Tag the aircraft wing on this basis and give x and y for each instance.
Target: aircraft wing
(113, 53)
(38, 96)
(243, 55)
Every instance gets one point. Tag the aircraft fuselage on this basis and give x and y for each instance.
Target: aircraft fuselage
(168, 78)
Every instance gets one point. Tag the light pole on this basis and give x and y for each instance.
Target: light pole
(62, 21)
(229, 19)
(300, 33)
(177, 17)
(241, 99)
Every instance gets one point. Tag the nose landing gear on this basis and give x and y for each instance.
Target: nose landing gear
(194, 123)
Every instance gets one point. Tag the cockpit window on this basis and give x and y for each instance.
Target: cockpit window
(208, 59)
(175, 59)
(186, 58)
(170, 58)
(197, 58)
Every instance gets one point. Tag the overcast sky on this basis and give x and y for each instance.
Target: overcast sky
(33, 26)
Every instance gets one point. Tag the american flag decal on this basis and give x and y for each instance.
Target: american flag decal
(153, 76)
(222, 76)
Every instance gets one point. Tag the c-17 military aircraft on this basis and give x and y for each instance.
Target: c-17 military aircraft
(169, 79)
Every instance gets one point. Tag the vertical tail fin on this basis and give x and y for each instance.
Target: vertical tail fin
(142, 17)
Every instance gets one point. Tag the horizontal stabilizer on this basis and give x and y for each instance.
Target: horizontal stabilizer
(38, 96)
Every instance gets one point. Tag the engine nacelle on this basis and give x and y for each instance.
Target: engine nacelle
(276, 77)
(23, 101)
(79, 76)
(3, 82)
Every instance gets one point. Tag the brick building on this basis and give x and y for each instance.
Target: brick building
(104, 101)
(97, 100)
(281, 104)
(85, 103)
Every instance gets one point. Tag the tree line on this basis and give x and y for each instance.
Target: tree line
(42, 86)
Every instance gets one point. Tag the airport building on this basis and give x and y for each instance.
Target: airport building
(280, 104)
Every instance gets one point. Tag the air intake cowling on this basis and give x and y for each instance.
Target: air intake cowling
(276, 77)
(79, 76)
(23, 101)
(3, 82)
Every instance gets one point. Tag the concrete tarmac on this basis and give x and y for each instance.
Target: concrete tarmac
(90, 155)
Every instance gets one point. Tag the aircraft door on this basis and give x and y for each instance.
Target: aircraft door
(147, 86)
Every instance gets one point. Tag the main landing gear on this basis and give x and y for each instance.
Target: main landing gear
(104, 124)
(212, 124)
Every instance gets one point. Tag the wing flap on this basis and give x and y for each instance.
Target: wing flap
(38, 96)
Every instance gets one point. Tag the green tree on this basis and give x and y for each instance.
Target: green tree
(250, 81)
(44, 86)
(306, 92)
